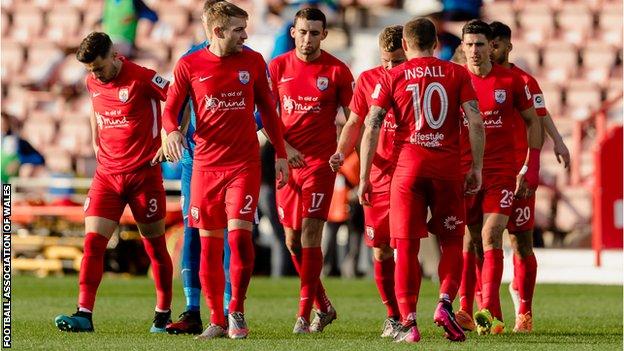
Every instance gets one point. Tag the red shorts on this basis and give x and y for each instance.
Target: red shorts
(308, 194)
(377, 220)
(411, 196)
(522, 215)
(142, 189)
(220, 195)
(496, 196)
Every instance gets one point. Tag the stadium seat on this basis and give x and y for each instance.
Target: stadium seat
(6, 24)
(537, 23)
(598, 61)
(64, 22)
(27, 23)
(39, 130)
(12, 60)
(57, 159)
(525, 55)
(44, 58)
(553, 97)
(575, 22)
(582, 99)
(560, 61)
(75, 138)
(502, 11)
(71, 72)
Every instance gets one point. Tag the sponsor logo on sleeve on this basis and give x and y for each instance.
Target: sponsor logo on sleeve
(159, 81)
(538, 101)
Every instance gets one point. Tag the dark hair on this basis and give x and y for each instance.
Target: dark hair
(208, 4)
(420, 33)
(96, 44)
(390, 38)
(311, 14)
(500, 30)
(477, 27)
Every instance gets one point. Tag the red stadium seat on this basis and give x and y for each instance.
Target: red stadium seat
(537, 23)
(6, 25)
(502, 11)
(582, 99)
(560, 61)
(575, 22)
(27, 23)
(64, 22)
(598, 61)
(525, 55)
(75, 138)
(553, 97)
(39, 130)
(57, 159)
(610, 16)
(12, 60)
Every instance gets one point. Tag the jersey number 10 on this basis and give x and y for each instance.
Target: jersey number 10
(423, 108)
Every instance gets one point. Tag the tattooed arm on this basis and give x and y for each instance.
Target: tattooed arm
(373, 123)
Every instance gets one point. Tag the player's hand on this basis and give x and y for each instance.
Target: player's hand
(472, 182)
(336, 160)
(295, 158)
(175, 143)
(364, 191)
(562, 153)
(159, 157)
(282, 172)
(523, 190)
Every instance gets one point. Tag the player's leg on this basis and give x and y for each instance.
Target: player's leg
(447, 223)
(520, 228)
(227, 293)
(241, 199)
(377, 236)
(190, 320)
(316, 193)
(103, 208)
(472, 238)
(207, 213)
(146, 198)
(408, 215)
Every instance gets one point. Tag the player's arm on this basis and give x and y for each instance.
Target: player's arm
(561, 150)
(271, 122)
(535, 140)
(95, 143)
(476, 134)
(370, 138)
(348, 140)
(176, 98)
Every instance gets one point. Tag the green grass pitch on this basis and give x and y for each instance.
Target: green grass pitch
(567, 317)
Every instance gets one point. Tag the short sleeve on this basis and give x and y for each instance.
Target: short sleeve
(538, 97)
(358, 104)
(156, 85)
(521, 95)
(345, 86)
(466, 90)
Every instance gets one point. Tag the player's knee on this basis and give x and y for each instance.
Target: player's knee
(294, 246)
(382, 253)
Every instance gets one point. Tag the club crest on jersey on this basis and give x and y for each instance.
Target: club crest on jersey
(243, 76)
(500, 95)
(322, 83)
(123, 94)
(195, 213)
(370, 232)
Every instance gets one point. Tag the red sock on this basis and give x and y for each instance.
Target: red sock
(384, 277)
(311, 265)
(212, 277)
(491, 281)
(241, 266)
(91, 269)
(162, 269)
(407, 276)
(526, 282)
(468, 282)
(516, 272)
(477, 296)
(321, 300)
(450, 267)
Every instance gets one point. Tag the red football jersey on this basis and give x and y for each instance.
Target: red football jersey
(224, 91)
(501, 94)
(383, 163)
(519, 126)
(127, 111)
(310, 94)
(427, 94)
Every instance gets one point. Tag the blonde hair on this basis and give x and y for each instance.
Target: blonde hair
(219, 14)
(390, 38)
